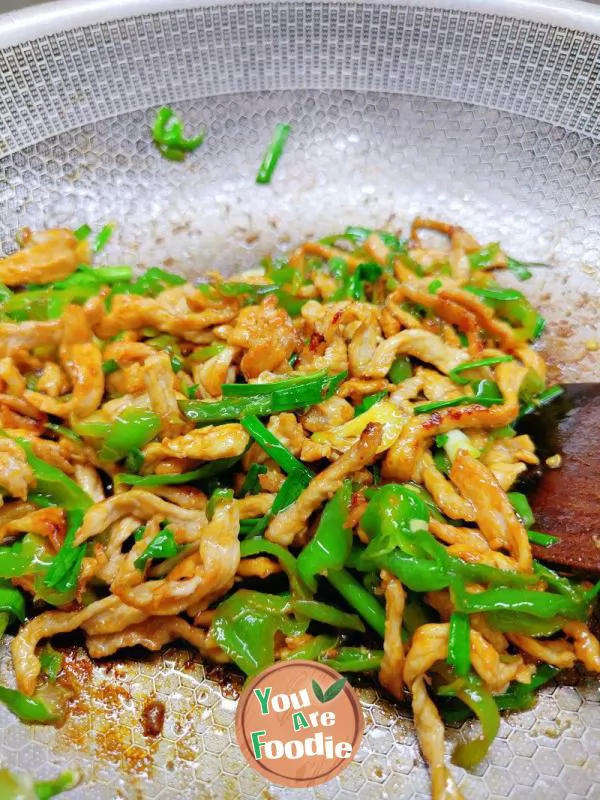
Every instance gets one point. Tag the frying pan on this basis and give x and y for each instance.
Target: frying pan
(481, 114)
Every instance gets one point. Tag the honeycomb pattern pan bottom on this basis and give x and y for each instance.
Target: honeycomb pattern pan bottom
(356, 156)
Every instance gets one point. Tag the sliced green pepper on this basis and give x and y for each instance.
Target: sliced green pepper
(245, 624)
(328, 615)
(359, 598)
(131, 430)
(253, 547)
(330, 546)
(459, 644)
(391, 519)
(354, 659)
(314, 650)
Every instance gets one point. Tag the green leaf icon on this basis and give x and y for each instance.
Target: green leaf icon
(318, 692)
(334, 689)
(330, 693)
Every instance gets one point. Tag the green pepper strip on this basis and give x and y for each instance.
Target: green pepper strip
(459, 644)
(538, 604)
(47, 789)
(330, 546)
(514, 622)
(423, 575)
(131, 430)
(359, 598)
(400, 370)
(245, 624)
(354, 659)
(162, 546)
(328, 615)
(392, 518)
(482, 362)
(11, 601)
(275, 450)
(474, 695)
(520, 696)
(285, 399)
(208, 470)
(51, 662)
(252, 547)
(315, 650)
(522, 508)
(28, 709)
(273, 153)
(53, 484)
(484, 256)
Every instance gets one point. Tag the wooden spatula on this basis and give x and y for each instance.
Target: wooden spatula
(566, 501)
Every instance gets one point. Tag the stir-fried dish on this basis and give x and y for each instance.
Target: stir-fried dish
(314, 459)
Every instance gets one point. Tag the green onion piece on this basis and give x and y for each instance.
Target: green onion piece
(162, 546)
(66, 565)
(82, 233)
(434, 286)
(495, 292)
(518, 269)
(259, 389)
(542, 539)
(368, 402)
(110, 366)
(102, 238)
(168, 136)
(273, 154)
(522, 508)
(459, 643)
(286, 398)
(190, 391)
(208, 470)
(543, 399)
(275, 450)
(251, 484)
(62, 430)
(482, 362)
(400, 370)
(290, 491)
(426, 408)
